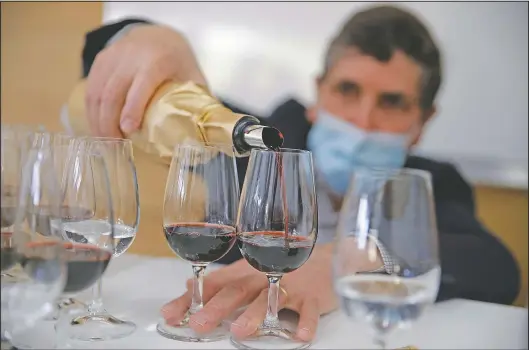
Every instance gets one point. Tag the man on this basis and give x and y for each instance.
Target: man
(381, 76)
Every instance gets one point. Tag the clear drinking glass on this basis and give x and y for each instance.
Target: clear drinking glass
(389, 211)
(200, 208)
(118, 157)
(277, 228)
(16, 140)
(10, 178)
(36, 258)
(88, 221)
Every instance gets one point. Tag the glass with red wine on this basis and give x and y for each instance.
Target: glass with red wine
(277, 229)
(200, 209)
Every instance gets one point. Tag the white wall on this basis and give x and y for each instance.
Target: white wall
(259, 53)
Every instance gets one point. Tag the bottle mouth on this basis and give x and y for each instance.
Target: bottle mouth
(259, 136)
(272, 138)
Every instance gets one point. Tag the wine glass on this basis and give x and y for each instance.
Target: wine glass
(277, 228)
(37, 260)
(14, 147)
(387, 223)
(16, 141)
(200, 208)
(118, 157)
(11, 160)
(88, 221)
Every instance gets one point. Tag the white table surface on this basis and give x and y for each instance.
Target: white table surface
(136, 287)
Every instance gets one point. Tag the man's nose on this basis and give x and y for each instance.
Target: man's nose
(363, 117)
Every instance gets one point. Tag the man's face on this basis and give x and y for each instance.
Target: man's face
(374, 95)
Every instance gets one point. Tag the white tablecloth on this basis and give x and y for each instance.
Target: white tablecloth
(136, 287)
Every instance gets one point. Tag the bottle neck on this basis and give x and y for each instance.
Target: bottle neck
(249, 134)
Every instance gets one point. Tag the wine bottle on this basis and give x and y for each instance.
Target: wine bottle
(183, 112)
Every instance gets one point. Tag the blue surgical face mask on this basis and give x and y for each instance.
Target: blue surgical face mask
(339, 148)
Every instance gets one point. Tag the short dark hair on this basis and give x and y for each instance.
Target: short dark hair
(381, 30)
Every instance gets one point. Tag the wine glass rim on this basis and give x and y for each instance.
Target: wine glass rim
(209, 145)
(106, 139)
(396, 173)
(281, 150)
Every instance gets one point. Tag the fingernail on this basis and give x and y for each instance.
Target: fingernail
(305, 333)
(241, 323)
(127, 126)
(198, 319)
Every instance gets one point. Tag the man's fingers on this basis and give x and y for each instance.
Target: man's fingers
(142, 89)
(308, 322)
(229, 299)
(112, 103)
(253, 317)
(96, 81)
(174, 311)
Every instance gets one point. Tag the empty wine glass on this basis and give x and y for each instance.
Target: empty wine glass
(387, 219)
(117, 155)
(200, 208)
(14, 148)
(37, 260)
(277, 229)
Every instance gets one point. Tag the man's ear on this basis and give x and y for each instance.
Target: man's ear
(428, 114)
(312, 112)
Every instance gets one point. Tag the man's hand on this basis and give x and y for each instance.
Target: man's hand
(238, 285)
(126, 74)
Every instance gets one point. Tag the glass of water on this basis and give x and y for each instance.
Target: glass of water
(117, 155)
(386, 266)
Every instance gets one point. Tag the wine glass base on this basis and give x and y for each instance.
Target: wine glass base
(40, 336)
(184, 333)
(6, 344)
(271, 338)
(64, 304)
(98, 327)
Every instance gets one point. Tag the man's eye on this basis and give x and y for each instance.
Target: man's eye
(392, 101)
(347, 88)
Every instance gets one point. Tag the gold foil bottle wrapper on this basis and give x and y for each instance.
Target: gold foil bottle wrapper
(177, 113)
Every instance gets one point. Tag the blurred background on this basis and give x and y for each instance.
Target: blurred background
(260, 53)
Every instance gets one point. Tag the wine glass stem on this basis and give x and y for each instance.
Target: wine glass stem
(380, 341)
(198, 277)
(96, 305)
(271, 319)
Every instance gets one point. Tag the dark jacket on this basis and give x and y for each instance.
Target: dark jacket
(475, 264)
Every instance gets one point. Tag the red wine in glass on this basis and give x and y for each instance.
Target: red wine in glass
(274, 252)
(200, 242)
